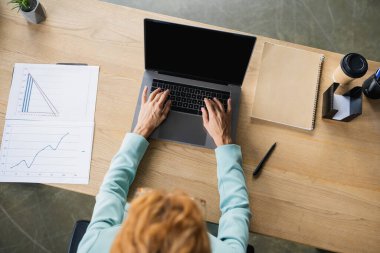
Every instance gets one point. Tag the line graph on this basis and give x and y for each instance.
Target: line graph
(45, 152)
(35, 156)
(34, 99)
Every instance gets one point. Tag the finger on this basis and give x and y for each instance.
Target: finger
(215, 107)
(157, 97)
(209, 106)
(229, 106)
(166, 109)
(154, 94)
(163, 97)
(204, 115)
(219, 104)
(144, 95)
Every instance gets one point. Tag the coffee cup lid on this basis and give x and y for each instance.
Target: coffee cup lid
(354, 65)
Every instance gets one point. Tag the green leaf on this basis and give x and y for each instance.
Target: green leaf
(20, 4)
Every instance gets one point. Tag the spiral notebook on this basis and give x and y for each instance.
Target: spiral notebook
(287, 88)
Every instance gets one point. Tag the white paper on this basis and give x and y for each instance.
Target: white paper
(46, 152)
(49, 125)
(342, 104)
(53, 92)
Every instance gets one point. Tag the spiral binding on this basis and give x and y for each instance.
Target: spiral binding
(316, 91)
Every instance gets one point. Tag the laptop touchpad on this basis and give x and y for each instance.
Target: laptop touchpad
(183, 128)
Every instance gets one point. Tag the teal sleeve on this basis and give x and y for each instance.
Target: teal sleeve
(111, 199)
(234, 202)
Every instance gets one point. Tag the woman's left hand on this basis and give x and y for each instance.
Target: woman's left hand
(153, 111)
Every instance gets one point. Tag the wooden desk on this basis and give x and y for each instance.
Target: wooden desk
(320, 188)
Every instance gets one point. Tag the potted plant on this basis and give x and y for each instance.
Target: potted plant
(32, 10)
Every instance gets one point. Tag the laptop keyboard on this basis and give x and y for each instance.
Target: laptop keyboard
(187, 98)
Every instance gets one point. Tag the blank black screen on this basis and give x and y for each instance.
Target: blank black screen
(197, 53)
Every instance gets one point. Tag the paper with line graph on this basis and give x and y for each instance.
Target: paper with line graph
(49, 125)
(44, 152)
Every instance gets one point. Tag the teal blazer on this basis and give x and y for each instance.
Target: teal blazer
(111, 207)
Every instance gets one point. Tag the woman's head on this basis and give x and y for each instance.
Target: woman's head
(160, 222)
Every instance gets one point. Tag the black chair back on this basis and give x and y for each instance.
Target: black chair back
(78, 233)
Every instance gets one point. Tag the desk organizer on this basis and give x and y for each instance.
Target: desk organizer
(344, 107)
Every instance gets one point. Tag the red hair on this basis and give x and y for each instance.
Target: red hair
(160, 222)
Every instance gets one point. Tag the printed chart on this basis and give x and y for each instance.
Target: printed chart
(48, 153)
(34, 100)
(49, 124)
(53, 92)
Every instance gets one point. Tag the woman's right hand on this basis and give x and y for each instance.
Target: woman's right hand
(153, 111)
(217, 121)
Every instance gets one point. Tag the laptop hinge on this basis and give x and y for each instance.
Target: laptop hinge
(193, 78)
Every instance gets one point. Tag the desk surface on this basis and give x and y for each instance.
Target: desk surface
(320, 188)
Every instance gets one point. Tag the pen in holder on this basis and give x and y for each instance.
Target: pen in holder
(344, 107)
(371, 86)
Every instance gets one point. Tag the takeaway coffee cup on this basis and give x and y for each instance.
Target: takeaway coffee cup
(351, 66)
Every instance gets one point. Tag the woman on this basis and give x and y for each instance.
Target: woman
(160, 222)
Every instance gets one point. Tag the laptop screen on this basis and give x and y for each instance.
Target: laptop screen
(196, 52)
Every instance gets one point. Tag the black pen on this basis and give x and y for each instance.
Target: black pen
(262, 162)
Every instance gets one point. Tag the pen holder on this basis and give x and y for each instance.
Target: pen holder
(371, 88)
(344, 107)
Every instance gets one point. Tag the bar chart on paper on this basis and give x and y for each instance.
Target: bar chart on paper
(49, 125)
(34, 100)
(53, 92)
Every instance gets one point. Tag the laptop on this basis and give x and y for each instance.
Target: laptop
(193, 63)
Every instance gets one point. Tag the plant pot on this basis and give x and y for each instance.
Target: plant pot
(35, 15)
